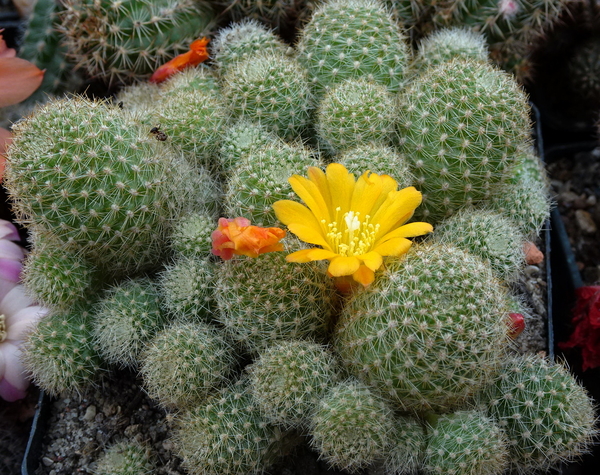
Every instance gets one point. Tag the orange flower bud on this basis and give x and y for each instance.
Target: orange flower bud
(196, 55)
(237, 236)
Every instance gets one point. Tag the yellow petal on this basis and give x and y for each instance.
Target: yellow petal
(316, 254)
(299, 256)
(393, 247)
(366, 193)
(318, 177)
(387, 184)
(399, 205)
(364, 275)
(308, 234)
(372, 260)
(308, 192)
(299, 217)
(408, 230)
(341, 186)
(343, 265)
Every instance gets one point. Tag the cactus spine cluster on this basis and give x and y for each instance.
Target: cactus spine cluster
(126, 457)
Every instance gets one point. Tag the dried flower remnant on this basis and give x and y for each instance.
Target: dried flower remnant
(238, 237)
(196, 55)
(356, 222)
(516, 325)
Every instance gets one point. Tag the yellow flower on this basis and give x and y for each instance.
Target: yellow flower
(356, 222)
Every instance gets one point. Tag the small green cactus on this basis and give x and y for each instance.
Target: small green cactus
(353, 112)
(241, 139)
(406, 453)
(462, 144)
(60, 353)
(125, 319)
(288, 379)
(429, 331)
(191, 236)
(352, 426)
(489, 235)
(139, 99)
(351, 39)
(465, 443)
(126, 457)
(547, 416)
(120, 42)
(272, 89)
(267, 299)
(226, 433)
(185, 362)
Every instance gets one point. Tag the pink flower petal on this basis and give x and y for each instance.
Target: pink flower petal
(9, 393)
(15, 300)
(5, 287)
(18, 80)
(23, 318)
(15, 372)
(11, 250)
(8, 230)
(10, 270)
(2, 363)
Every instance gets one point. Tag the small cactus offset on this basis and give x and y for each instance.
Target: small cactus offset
(126, 457)
(185, 362)
(465, 443)
(288, 379)
(125, 319)
(405, 454)
(191, 236)
(350, 39)
(120, 42)
(352, 426)
(546, 415)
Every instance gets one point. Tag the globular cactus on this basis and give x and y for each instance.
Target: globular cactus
(429, 331)
(226, 433)
(185, 362)
(126, 457)
(466, 442)
(243, 41)
(124, 41)
(378, 158)
(60, 353)
(272, 89)
(405, 454)
(489, 235)
(448, 43)
(461, 145)
(547, 416)
(139, 99)
(350, 39)
(352, 426)
(353, 112)
(107, 189)
(42, 45)
(241, 139)
(187, 288)
(267, 299)
(125, 319)
(289, 378)
(525, 195)
(55, 277)
(261, 178)
(191, 236)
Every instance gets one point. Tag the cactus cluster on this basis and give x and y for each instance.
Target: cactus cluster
(254, 354)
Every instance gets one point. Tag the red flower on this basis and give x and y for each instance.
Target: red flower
(517, 325)
(237, 236)
(586, 317)
(196, 55)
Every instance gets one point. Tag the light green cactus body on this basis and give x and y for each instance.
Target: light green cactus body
(243, 41)
(449, 43)
(547, 416)
(240, 140)
(125, 319)
(55, 277)
(525, 195)
(352, 426)
(466, 442)
(105, 188)
(261, 178)
(461, 126)
(120, 42)
(200, 78)
(42, 46)
(60, 353)
(429, 331)
(272, 89)
(267, 299)
(139, 99)
(226, 434)
(377, 158)
(192, 236)
(185, 362)
(126, 457)
(489, 235)
(192, 116)
(288, 379)
(187, 288)
(351, 39)
(353, 112)
(406, 453)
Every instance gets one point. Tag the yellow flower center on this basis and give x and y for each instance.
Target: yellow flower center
(354, 237)
(3, 329)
